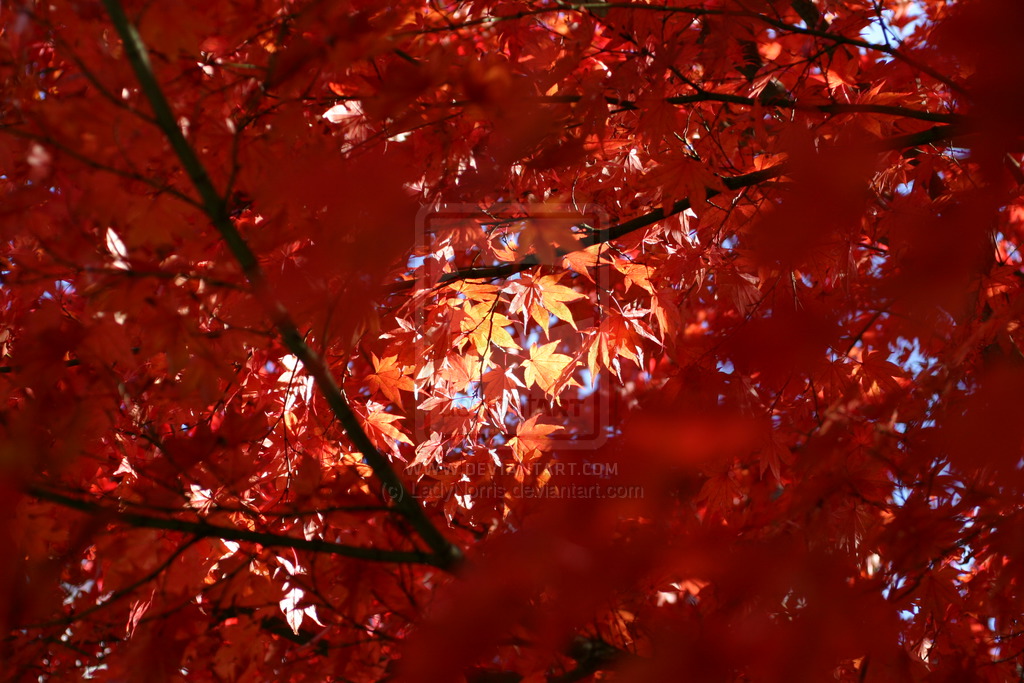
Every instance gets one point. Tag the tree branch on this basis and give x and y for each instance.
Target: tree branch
(729, 98)
(783, 26)
(592, 654)
(825, 108)
(121, 593)
(925, 137)
(161, 188)
(215, 207)
(616, 231)
(203, 529)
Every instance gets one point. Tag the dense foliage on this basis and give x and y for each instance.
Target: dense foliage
(511, 340)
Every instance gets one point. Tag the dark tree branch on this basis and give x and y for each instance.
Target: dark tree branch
(729, 98)
(922, 138)
(216, 209)
(825, 108)
(591, 655)
(818, 32)
(608, 234)
(203, 529)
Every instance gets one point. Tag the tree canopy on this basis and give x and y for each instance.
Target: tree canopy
(511, 340)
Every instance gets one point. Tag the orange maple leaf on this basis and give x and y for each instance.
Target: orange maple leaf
(500, 391)
(531, 439)
(430, 451)
(619, 335)
(542, 297)
(679, 176)
(388, 378)
(549, 370)
(380, 429)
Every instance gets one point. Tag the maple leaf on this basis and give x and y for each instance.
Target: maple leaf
(774, 455)
(720, 493)
(541, 298)
(666, 312)
(483, 325)
(582, 260)
(388, 378)
(549, 370)
(531, 439)
(380, 427)
(476, 291)
(636, 274)
(294, 611)
(620, 334)
(430, 451)
(138, 610)
(879, 375)
(681, 176)
(499, 391)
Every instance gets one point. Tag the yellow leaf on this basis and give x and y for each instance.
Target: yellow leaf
(550, 371)
(484, 325)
